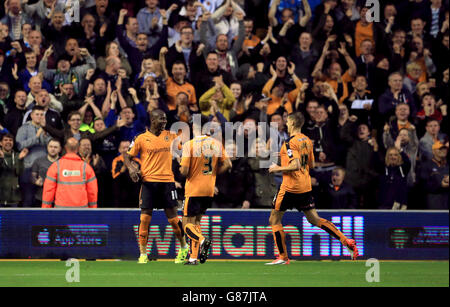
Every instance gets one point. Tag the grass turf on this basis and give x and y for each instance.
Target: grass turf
(224, 273)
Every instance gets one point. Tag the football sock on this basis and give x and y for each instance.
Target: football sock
(280, 240)
(195, 248)
(177, 228)
(143, 232)
(332, 230)
(194, 232)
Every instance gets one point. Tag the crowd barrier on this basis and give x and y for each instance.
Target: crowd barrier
(235, 234)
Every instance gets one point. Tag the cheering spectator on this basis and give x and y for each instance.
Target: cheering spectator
(41, 165)
(432, 135)
(11, 168)
(362, 158)
(235, 187)
(177, 83)
(227, 57)
(33, 137)
(112, 49)
(338, 194)
(429, 111)
(15, 18)
(434, 174)
(393, 183)
(186, 51)
(35, 86)
(265, 185)
(52, 117)
(134, 122)
(124, 189)
(219, 95)
(137, 52)
(395, 95)
(228, 20)
(64, 72)
(334, 75)
(14, 117)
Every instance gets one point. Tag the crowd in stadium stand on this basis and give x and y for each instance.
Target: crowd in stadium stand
(371, 81)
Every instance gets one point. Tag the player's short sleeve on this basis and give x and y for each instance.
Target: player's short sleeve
(186, 156)
(134, 148)
(293, 149)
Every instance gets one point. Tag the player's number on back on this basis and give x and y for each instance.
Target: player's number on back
(208, 166)
(303, 160)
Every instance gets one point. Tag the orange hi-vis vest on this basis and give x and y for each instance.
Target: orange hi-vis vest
(70, 183)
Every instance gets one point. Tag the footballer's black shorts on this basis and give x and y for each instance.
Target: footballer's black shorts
(193, 206)
(284, 200)
(158, 195)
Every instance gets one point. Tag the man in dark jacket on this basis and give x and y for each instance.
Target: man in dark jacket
(11, 167)
(434, 177)
(14, 117)
(73, 129)
(362, 157)
(137, 53)
(338, 194)
(235, 187)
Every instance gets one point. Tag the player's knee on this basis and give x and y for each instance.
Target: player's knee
(143, 232)
(313, 220)
(273, 220)
(146, 212)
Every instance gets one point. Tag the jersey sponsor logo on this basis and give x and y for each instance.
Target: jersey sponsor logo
(71, 173)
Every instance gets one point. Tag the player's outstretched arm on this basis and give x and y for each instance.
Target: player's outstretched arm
(294, 165)
(134, 172)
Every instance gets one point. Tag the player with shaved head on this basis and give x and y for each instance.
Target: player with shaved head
(158, 184)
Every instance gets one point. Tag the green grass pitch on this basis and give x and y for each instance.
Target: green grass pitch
(224, 274)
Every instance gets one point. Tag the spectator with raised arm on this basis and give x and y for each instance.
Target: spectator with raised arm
(289, 18)
(205, 77)
(227, 56)
(187, 51)
(177, 82)
(221, 95)
(362, 174)
(134, 122)
(14, 18)
(35, 85)
(64, 72)
(334, 76)
(281, 95)
(227, 19)
(14, 117)
(112, 49)
(41, 10)
(393, 180)
(304, 56)
(137, 53)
